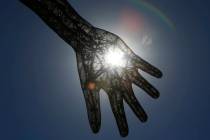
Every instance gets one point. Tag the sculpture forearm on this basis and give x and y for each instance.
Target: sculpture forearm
(63, 19)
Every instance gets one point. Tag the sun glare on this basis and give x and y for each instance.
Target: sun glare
(115, 58)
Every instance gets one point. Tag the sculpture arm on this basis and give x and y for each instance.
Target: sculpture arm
(60, 16)
(94, 48)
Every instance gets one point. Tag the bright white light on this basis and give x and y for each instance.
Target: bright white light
(115, 58)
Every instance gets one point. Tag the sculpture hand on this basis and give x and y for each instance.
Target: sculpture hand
(98, 71)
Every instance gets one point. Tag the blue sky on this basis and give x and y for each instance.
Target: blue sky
(41, 96)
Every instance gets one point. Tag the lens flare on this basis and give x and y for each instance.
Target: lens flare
(154, 10)
(131, 20)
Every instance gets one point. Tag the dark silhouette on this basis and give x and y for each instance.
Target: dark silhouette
(91, 44)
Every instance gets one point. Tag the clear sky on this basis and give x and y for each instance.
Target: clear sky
(40, 95)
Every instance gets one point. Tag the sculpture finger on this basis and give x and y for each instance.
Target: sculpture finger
(147, 67)
(116, 102)
(92, 100)
(132, 101)
(145, 85)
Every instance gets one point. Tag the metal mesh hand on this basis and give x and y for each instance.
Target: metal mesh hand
(98, 72)
(104, 62)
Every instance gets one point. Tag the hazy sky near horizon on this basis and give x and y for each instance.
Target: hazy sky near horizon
(40, 93)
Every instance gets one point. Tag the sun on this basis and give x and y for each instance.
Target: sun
(115, 58)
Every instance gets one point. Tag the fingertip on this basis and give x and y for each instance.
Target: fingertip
(144, 120)
(159, 74)
(142, 116)
(156, 96)
(124, 133)
(95, 129)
